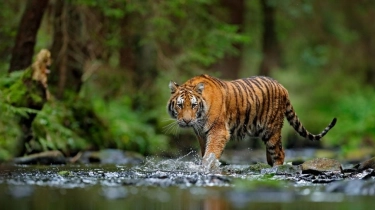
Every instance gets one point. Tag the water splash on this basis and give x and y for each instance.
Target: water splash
(186, 163)
(191, 162)
(211, 164)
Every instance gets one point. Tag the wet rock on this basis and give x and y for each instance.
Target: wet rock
(320, 165)
(112, 156)
(243, 169)
(349, 168)
(43, 158)
(323, 177)
(234, 169)
(364, 174)
(367, 164)
(288, 169)
(257, 168)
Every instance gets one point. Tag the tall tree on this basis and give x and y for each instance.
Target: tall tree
(359, 16)
(67, 49)
(230, 65)
(26, 35)
(32, 92)
(270, 44)
(139, 59)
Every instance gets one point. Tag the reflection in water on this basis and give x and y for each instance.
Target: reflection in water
(21, 191)
(213, 203)
(114, 192)
(131, 197)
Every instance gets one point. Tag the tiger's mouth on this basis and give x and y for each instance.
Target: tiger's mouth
(183, 123)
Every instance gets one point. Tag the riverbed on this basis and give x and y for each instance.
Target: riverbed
(177, 184)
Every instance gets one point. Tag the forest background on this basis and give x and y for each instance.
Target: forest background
(113, 60)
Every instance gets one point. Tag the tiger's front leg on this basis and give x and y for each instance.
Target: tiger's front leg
(216, 140)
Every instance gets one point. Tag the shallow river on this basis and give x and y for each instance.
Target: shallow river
(166, 184)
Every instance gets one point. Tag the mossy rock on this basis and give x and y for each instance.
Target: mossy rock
(257, 168)
(318, 165)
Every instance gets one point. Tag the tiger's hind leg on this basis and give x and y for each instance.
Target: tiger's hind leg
(274, 149)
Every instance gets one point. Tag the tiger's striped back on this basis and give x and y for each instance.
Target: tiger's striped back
(256, 106)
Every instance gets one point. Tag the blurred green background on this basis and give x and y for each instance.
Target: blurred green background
(113, 60)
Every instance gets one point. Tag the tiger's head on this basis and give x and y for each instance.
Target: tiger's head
(186, 104)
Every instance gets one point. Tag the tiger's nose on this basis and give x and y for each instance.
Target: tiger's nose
(187, 121)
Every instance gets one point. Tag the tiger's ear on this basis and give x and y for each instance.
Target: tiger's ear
(173, 86)
(199, 87)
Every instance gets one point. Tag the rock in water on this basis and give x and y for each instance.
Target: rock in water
(320, 165)
(367, 164)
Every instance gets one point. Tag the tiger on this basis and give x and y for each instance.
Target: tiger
(219, 110)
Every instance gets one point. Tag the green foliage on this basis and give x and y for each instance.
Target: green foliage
(9, 16)
(194, 29)
(9, 129)
(20, 90)
(49, 128)
(200, 35)
(356, 119)
(130, 128)
(15, 96)
(56, 128)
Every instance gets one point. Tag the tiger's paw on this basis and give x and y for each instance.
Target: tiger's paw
(211, 164)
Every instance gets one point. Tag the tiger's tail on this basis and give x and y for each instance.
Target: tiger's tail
(293, 120)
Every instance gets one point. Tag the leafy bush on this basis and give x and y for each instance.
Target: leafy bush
(55, 128)
(9, 129)
(129, 128)
(356, 123)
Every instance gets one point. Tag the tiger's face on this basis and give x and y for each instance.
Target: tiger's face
(186, 104)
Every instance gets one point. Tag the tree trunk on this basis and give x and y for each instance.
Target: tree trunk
(140, 62)
(270, 45)
(127, 57)
(230, 65)
(26, 35)
(68, 50)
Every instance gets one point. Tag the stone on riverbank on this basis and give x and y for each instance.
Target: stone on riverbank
(320, 165)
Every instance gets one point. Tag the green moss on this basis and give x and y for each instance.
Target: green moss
(256, 168)
(65, 173)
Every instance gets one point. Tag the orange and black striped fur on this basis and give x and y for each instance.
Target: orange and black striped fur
(219, 110)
